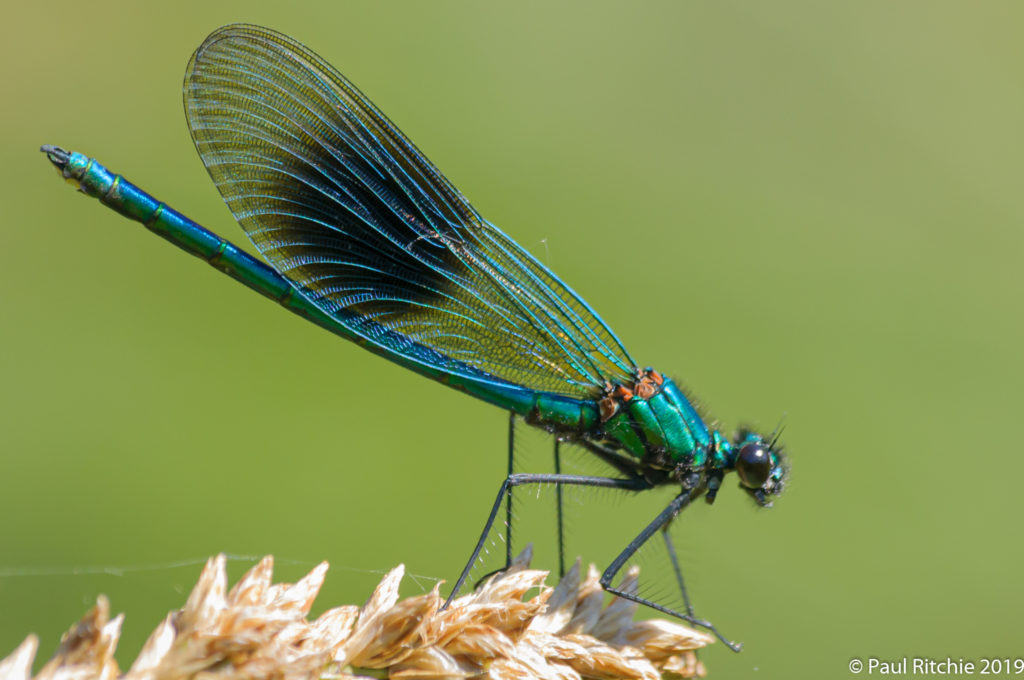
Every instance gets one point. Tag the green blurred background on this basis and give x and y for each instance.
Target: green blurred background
(797, 208)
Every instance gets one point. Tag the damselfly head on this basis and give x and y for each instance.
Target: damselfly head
(760, 465)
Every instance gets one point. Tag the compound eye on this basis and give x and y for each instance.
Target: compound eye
(753, 464)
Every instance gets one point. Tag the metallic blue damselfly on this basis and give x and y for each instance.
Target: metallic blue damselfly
(366, 238)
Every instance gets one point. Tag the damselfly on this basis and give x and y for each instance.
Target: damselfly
(366, 238)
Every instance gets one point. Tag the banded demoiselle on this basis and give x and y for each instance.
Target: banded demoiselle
(366, 238)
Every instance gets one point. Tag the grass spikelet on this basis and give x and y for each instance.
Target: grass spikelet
(513, 627)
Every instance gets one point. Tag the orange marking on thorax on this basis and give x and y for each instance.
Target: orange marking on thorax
(608, 408)
(645, 388)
